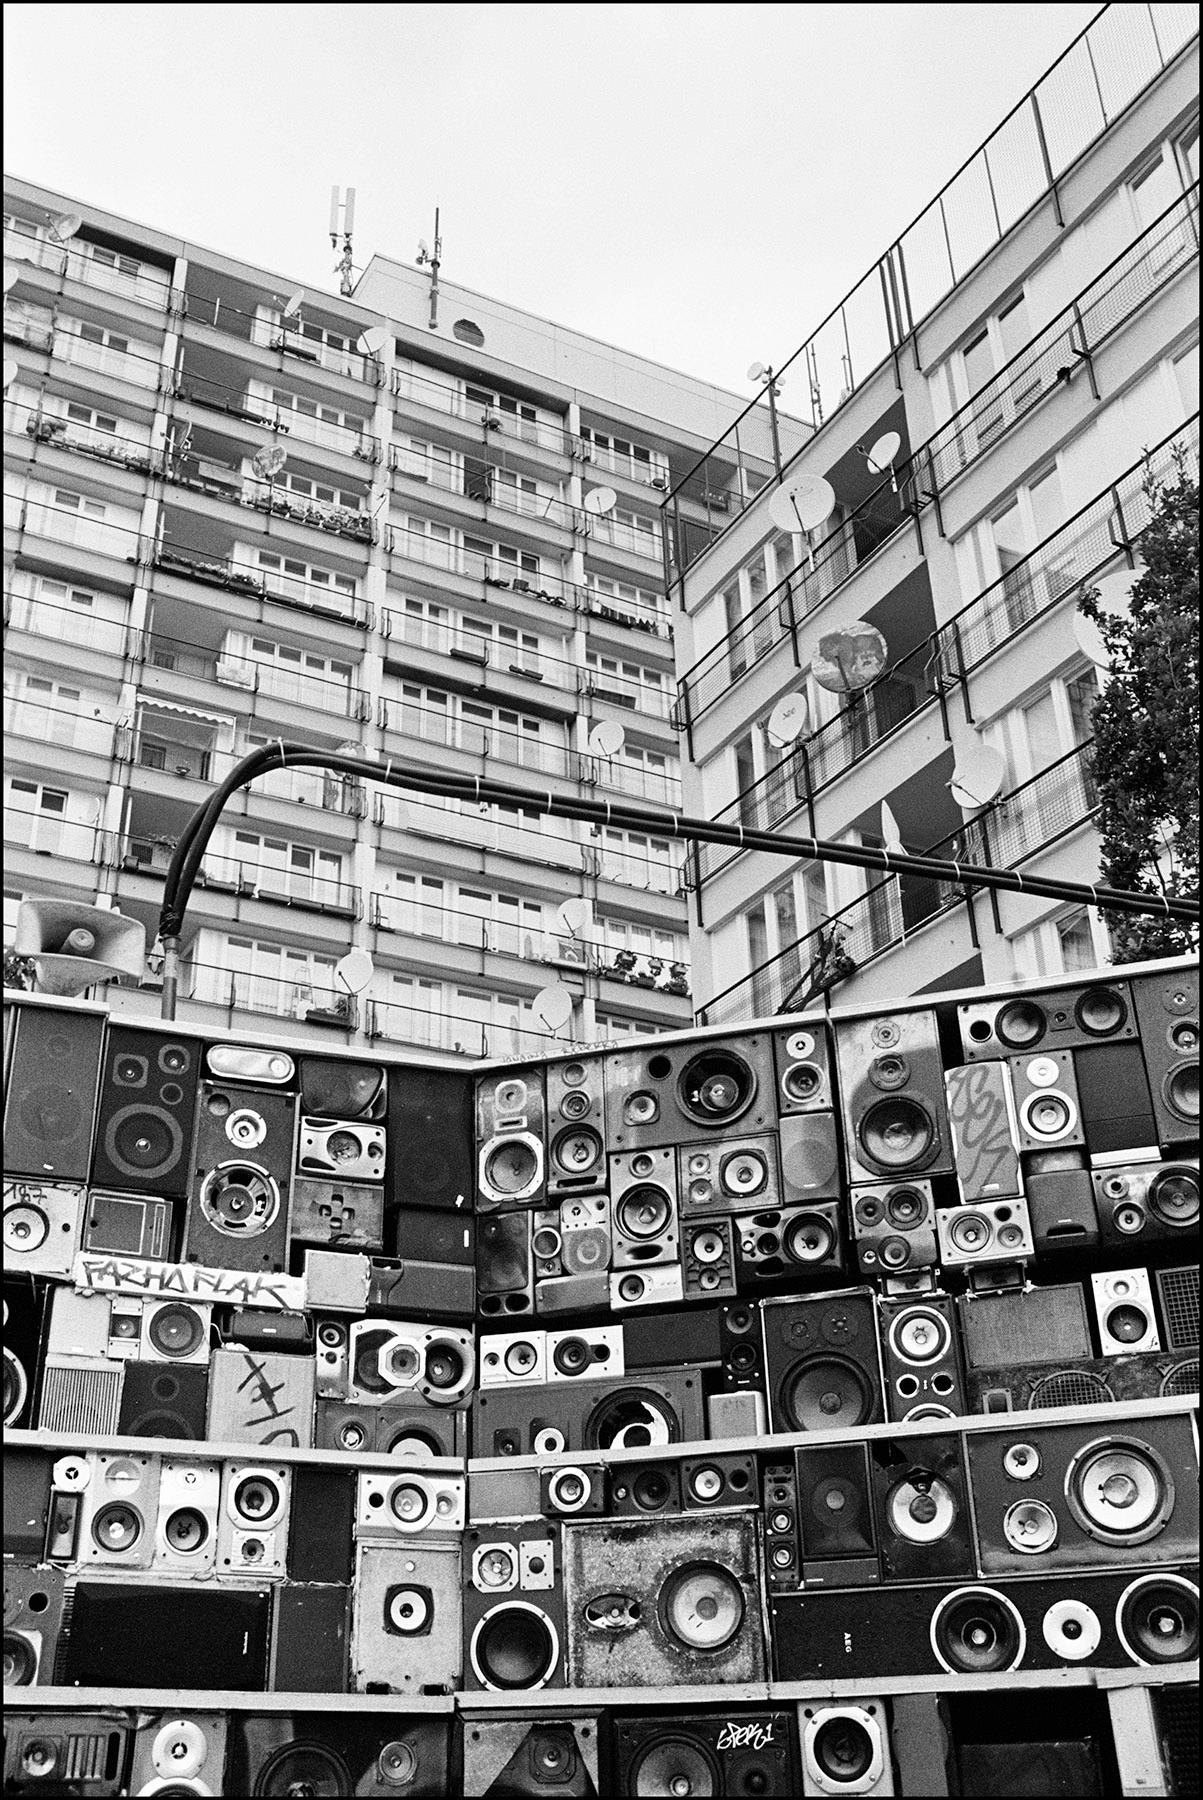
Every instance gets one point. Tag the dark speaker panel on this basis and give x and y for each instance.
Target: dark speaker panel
(50, 1097)
(164, 1400)
(823, 1370)
(147, 1112)
(1168, 1009)
(430, 1127)
(124, 1635)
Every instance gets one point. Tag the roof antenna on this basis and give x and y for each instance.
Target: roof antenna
(433, 257)
(343, 266)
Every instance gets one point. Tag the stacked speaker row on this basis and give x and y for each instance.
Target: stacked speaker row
(913, 1744)
(1030, 1545)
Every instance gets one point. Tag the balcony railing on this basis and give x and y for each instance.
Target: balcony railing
(44, 619)
(237, 403)
(1168, 246)
(147, 285)
(317, 514)
(175, 558)
(311, 1002)
(458, 1033)
(248, 880)
(1013, 828)
(50, 834)
(441, 397)
(1062, 564)
(255, 675)
(1091, 84)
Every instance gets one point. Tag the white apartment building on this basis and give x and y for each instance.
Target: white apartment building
(415, 574)
(1032, 342)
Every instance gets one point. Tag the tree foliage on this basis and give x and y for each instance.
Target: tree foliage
(1146, 726)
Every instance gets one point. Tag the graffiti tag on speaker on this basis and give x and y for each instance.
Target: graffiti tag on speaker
(128, 1275)
(744, 1737)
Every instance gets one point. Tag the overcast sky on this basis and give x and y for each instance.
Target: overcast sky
(697, 183)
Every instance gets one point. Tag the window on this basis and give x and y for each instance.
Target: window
(422, 461)
(632, 684)
(1002, 546)
(37, 817)
(518, 493)
(637, 461)
(292, 674)
(649, 774)
(503, 644)
(47, 711)
(633, 860)
(314, 422)
(268, 978)
(1061, 945)
(629, 600)
(103, 423)
(322, 491)
(304, 582)
(427, 542)
(295, 871)
(423, 624)
(413, 904)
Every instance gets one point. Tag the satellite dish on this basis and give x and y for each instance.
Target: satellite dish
(11, 278)
(802, 504)
(574, 916)
(65, 226)
(372, 341)
(788, 720)
(600, 500)
(1115, 599)
(12, 369)
(880, 454)
(890, 834)
(423, 250)
(552, 1006)
(268, 462)
(978, 775)
(355, 971)
(292, 305)
(848, 661)
(607, 738)
(757, 372)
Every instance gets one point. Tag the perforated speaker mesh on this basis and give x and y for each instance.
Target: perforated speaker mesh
(1177, 1710)
(1178, 1290)
(1071, 1387)
(1183, 1378)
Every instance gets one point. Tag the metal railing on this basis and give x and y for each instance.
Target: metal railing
(237, 403)
(49, 834)
(319, 515)
(483, 484)
(286, 336)
(150, 286)
(248, 880)
(43, 618)
(305, 1001)
(256, 675)
(1060, 565)
(439, 396)
(1091, 84)
(1013, 828)
(174, 558)
(458, 1033)
(1140, 272)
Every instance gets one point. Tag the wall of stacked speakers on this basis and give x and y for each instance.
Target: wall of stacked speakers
(810, 1408)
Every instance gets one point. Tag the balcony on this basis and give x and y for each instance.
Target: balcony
(359, 526)
(459, 1034)
(209, 987)
(248, 880)
(95, 267)
(453, 402)
(240, 577)
(1119, 54)
(1011, 830)
(50, 834)
(238, 403)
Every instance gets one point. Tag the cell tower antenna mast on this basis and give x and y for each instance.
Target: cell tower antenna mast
(433, 257)
(343, 268)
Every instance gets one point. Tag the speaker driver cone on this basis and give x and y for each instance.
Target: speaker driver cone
(977, 1631)
(826, 1393)
(300, 1768)
(514, 1647)
(702, 1606)
(176, 1330)
(512, 1167)
(716, 1087)
(1119, 1490)
(674, 1766)
(922, 1509)
(20, 1660)
(1157, 1619)
(843, 1748)
(186, 1530)
(897, 1133)
(1174, 1197)
(631, 1418)
(26, 1229)
(143, 1140)
(239, 1199)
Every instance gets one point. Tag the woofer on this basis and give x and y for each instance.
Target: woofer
(897, 1133)
(512, 1167)
(702, 1606)
(716, 1087)
(1020, 1025)
(301, 1768)
(514, 1646)
(239, 1199)
(629, 1419)
(977, 1631)
(1119, 1490)
(675, 1765)
(826, 1393)
(143, 1140)
(1157, 1619)
(176, 1330)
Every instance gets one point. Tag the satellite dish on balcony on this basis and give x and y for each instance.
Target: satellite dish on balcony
(355, 971)
(600, 500)
(65, 226)
(268, 462)
(849, 661)
(891, 837)
(552, 1006)
(574, 916)
(607, 738)
(802, 504)
(12, 369)
(881, 453)
(372, 341)
(11, 278)
(1115, 599)
(757, 372)
(292, 305)
(977, 776)
(788, 720)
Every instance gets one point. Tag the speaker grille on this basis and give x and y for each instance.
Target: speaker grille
(81, 1400)
(1071, 1387)
(1178, 1290)
(1183, 1378)
(1177, 1710)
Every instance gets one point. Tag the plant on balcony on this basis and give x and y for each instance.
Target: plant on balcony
(1146, 726)
(19, 971)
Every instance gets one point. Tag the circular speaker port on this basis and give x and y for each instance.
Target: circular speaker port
(1174, 1197)
(1119, 1490)
(702, 1606)
(716, 1086)
(1020, 1025)
(514, 1647)
(1030, 1527)
(919, 1335)
(1157, 1620)
(897, 1133)
(643, 1212)
(977, 1631)
(177, 1330)
(1072, 1630)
